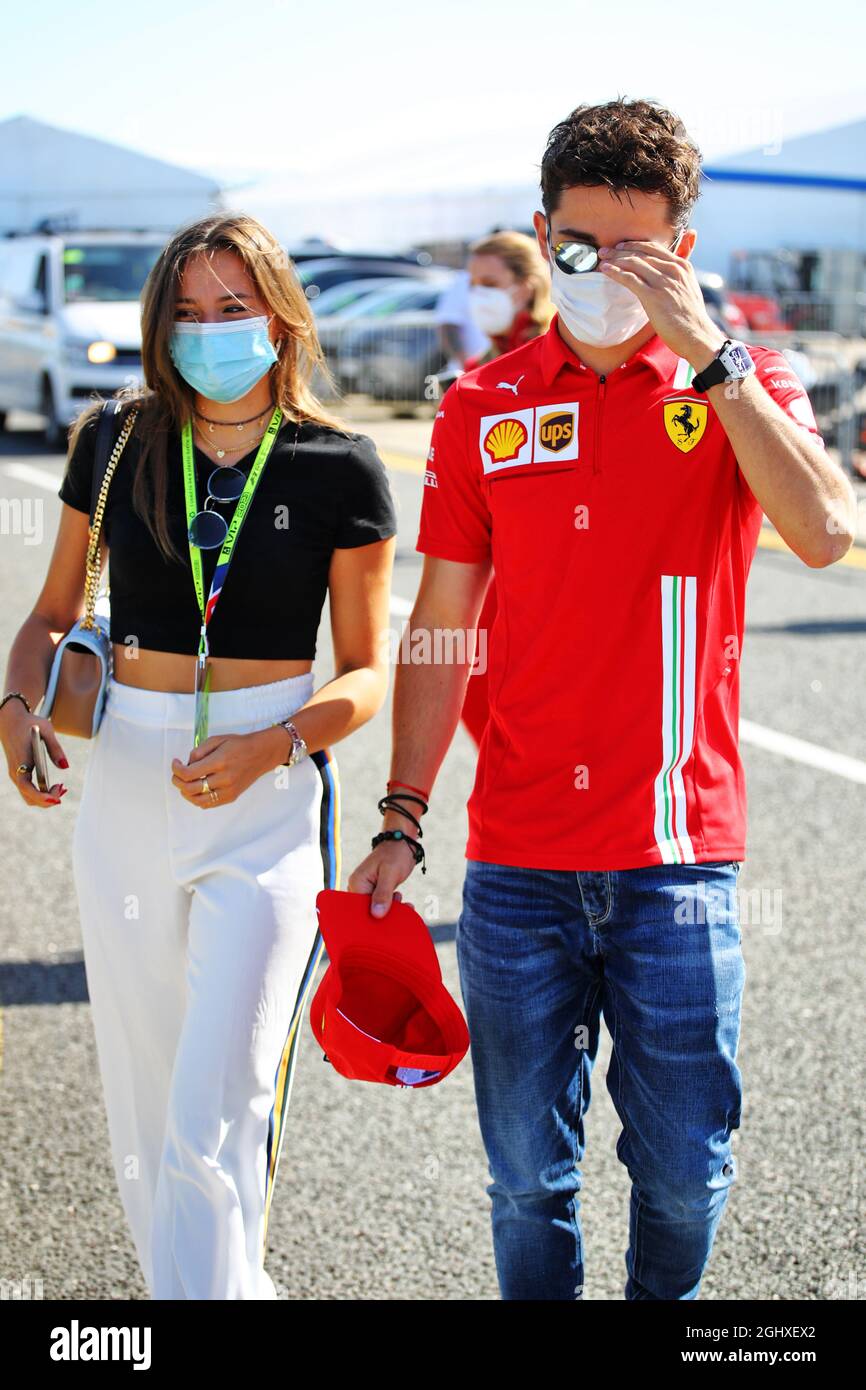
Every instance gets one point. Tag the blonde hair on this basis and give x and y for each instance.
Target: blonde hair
(166, 401)
(521, 255)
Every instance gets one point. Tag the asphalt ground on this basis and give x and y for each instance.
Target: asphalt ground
(380, 1192)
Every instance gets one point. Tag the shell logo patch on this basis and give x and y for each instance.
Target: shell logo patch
(685, 421)
(504, 440)
(555, 431)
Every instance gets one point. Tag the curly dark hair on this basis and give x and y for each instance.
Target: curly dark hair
(627, 145)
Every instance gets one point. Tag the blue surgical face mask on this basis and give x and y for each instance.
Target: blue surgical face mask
(223, 361)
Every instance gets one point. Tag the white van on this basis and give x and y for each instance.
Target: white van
(70, 320)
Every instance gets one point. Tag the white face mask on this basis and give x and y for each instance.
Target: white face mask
(594, 308)
(492, 309)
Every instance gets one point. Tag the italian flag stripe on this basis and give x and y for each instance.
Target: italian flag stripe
(678, 611)
(684, 373)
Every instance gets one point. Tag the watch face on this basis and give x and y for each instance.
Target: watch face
(737, 360)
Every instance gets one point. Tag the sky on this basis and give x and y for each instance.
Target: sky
(349, 99)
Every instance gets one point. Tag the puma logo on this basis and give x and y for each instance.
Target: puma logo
(507, 385)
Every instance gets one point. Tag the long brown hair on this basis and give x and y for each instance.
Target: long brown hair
(166, 401)
(521, 255)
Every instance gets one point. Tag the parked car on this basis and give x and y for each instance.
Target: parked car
(319, 275)
(69, 320)
(311, 248)
(340, 298)
(390, 349)
(318, 248)
(337, 332)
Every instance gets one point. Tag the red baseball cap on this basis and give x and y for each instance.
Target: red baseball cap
(381, 1012)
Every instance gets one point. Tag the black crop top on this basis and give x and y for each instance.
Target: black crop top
(334, 494)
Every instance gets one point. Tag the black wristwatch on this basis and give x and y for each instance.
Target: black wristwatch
(732, 362)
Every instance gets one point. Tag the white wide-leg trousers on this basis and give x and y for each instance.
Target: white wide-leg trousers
(201, 944)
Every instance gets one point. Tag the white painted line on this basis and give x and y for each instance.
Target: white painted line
(812, 754)
(30, 473)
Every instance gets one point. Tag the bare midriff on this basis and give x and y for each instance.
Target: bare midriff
(175, 671)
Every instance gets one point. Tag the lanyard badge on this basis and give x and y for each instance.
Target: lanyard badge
(202, 684)
(202, 698)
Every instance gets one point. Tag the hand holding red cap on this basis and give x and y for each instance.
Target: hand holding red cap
(381, 1012)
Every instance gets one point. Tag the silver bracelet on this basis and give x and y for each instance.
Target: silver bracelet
(299, 748)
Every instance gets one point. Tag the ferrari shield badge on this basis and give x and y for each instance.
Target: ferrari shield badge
(685, 422)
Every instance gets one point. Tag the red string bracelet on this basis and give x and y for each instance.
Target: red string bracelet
(408, 785)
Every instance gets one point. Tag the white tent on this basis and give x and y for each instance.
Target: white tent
(394, 220)
(48, 172)
(805, 194)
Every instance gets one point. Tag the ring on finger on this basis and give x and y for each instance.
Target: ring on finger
(208, 790)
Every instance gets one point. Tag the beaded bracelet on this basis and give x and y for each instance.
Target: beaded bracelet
(416, 848)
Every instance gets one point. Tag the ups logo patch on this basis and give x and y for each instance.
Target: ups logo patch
(556, 431)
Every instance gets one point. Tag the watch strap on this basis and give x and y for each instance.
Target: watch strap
(714, 374)
(299, 748)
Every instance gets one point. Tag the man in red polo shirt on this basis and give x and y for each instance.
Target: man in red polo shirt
(614, 471)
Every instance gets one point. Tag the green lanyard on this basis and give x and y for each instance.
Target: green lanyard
(202, 670)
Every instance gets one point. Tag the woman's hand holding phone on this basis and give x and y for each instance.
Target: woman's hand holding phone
(29, 739)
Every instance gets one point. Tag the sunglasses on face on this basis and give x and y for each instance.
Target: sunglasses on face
(577, 257)
(208, 529)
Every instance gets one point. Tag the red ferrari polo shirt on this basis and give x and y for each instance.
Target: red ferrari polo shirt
(621, 532)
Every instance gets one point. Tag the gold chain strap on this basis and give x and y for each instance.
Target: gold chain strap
(93, 567)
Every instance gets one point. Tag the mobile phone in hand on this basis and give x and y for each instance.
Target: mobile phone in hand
(40, 759)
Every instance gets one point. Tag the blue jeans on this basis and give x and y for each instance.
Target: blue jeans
(542, 954)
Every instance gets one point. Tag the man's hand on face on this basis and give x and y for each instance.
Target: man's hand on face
(668, 289)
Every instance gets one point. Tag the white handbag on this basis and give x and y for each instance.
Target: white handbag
(74, 698)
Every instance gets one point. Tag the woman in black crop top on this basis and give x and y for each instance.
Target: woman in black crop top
(197, 867)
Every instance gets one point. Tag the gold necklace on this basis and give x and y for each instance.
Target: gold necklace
(237, 449)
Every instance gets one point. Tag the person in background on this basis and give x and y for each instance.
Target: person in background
(509, 293)
(509, 299)
(459, 334)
